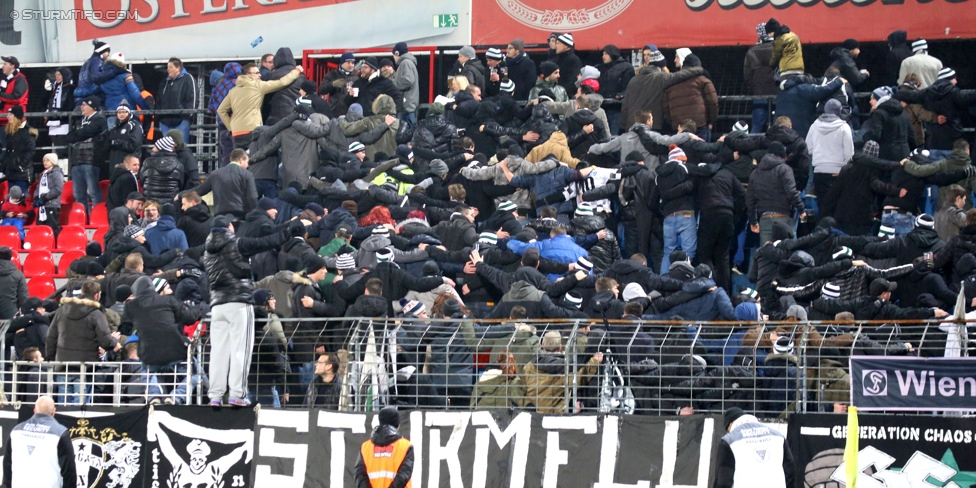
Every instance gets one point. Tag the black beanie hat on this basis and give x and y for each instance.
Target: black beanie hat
(777, 148)
(733, 414)
(781, 231)
(122, 293)
(390, 416)
(93, 249)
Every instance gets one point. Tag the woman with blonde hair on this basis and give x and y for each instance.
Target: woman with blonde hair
(18, 155)
(458, 84)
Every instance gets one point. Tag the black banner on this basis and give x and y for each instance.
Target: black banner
(8, 419)
(895, 451)
(199, 447)
(492, 449)
(913, 383)
(108, 446)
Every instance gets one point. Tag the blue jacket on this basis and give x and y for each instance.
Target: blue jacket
(549, 186)
(86, 77)
(713, 305)
(165, 236)
(561, 249)
(112, 87)
(798, 98)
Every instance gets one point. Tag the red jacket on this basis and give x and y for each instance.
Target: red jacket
(14, 93)
(14, 208)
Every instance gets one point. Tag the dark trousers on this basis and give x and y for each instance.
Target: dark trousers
(226, 145)
(242, 141)
(267, 188)
(715, 233)
(821, 185)
(52, 220)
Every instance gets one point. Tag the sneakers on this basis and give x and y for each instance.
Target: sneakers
(216, 403)
(239, 402)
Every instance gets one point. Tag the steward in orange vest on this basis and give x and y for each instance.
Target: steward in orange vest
(386, 459)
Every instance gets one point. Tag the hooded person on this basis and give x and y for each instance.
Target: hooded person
(898, 50)
(387, 456)
(831, 145)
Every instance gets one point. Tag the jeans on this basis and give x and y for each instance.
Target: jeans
(172, 372)
(766, 227)
(226, 145)
(902, 223)
(86, 190)
(69, 388)
(613, 118)
(408, 117)
(184, 127)
(705, 133)
(760, 115)
(715, 233)
(267, 188)
(679, 229)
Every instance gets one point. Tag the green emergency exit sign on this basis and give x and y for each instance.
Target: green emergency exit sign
(446, 20)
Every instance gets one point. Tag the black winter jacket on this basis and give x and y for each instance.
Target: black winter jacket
(234, 190)
(228, 271)
(890, 127)
(195, 223)
(569, 68)
(78, 329)
(614, 77)
(842, 59)
(124, 139)
(283, 100)
(719, 191)
(121, 183)
(522, 70)
(676, 187)
(18, 155)
(942, 98)
(162, 176)
(159, 320)
(772, 189)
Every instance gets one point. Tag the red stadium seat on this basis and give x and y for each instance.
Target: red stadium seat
(99, 236)
(66, 259)
(39, 237)
(67, 193)
(72, 237)
(10, 237)
(41, 287)
(74, 214)
(16, 260)
(99, 214)
(39, 263)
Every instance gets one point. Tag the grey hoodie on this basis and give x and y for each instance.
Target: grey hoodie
(405, 79)
(831, 144)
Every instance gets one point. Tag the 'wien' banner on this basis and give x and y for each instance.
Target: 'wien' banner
(895, 451)
(913, 383)
(492, 449)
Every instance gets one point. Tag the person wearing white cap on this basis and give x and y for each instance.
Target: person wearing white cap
(921, 63)
(469, 66)
(569, 63)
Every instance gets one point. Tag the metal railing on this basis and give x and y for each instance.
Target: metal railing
(654, 368)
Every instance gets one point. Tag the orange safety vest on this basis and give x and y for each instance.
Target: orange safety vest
(382, 462)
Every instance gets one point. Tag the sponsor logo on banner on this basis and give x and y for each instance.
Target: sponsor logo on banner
(875, 382)
(104, 452)
(584, 15)
(913, 383)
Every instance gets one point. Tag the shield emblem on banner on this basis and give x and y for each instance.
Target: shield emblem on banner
(592, 14)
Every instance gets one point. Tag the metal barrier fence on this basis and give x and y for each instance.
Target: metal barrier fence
(647, 368)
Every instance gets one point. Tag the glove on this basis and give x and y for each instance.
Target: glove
(38, 202)
(191, 273)
(47, 85)
(924, 265)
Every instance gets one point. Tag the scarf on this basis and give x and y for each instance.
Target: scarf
(42, 189)
(8, 79)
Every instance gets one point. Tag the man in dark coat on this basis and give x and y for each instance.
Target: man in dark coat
(646, 91)
(371, 85)
(283, 101)
(946, 100)
(196, 219)
(758, 76)
(899, 49)
(567, 60)
(615, 75)
(521, 69)
(123, 181)
(842, 58)
(772, 194)
(469, 66)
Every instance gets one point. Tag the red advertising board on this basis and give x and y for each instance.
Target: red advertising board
(676, 23)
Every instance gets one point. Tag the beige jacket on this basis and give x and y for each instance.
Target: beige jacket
(241, 109)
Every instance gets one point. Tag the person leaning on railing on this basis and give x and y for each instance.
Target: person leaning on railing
(546, 379)
(500, 385)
